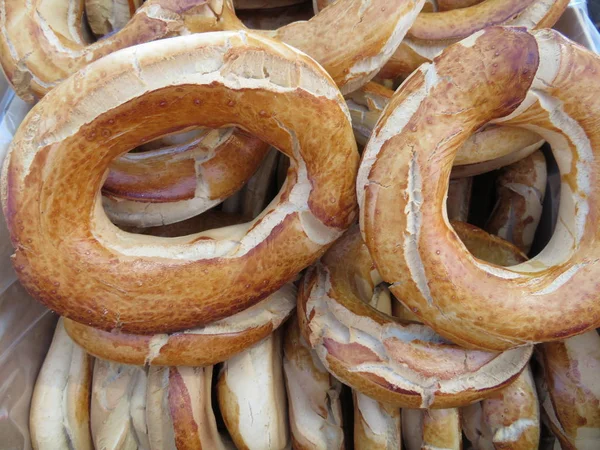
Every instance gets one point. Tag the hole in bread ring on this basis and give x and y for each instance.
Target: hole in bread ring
(368, 35)
(494, 74)
(175, 183)
(75, 261)
(402, 364)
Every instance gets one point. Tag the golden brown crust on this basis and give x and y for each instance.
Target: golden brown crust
(201, 347)
(571, 374)
(35, 60)
(189, 178)
(94, 277)
(170, 174)
(432, 271)
(404, 365)
(484, 151)
(432, 429)
(509, 419)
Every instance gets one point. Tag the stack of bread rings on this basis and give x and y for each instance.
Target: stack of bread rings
(253, 241)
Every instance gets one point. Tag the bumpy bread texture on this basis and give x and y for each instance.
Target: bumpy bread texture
(35, 58)
(203, 346)
(69, 256)
(508, 419)
(526, 80)
(174, 183)
(487, 149)
(406, 365)
(431, 429)
(573, 390)
(313, 394)
(520, 191)
(252, 398)
(59, 417)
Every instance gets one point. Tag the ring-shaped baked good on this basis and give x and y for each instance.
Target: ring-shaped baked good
(70, 257)
(399, 363)
(36, 57)
(200, 347)
(540, 81)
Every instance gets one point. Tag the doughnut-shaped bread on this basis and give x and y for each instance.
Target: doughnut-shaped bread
(406, 365)
(508, 419)
(313, 394)
(203, 346)
(107, 16)
(484, 151)
(59, 413)
(431, 429)
(432, 32)
(520, 191)
(526, 80)
(35, 58)
(251, 395)
(68, 254)
(571, 404)
(171, 184)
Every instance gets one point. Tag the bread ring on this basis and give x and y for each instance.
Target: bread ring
(35, 58)
(175, 183)
(431, 429)
(251, 395)
(571, 403)
(117, 406)
(249, 81)
(379, 356)
(376, 425)
(314, 406)
(208, 345)
(59, 412)
(508, 419)
(108, 16)
(486, 150)
(179, 409)
(433, 32)
(520, 191)
(418, 252)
